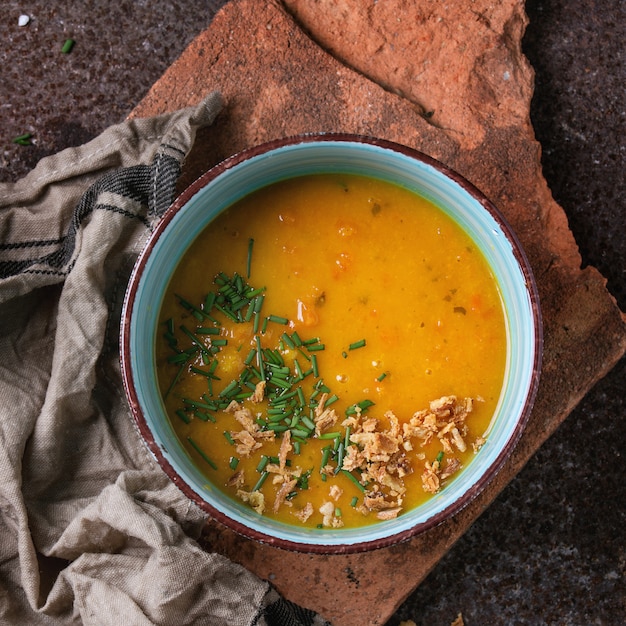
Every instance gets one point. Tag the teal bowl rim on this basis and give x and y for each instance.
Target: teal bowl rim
(245, 522)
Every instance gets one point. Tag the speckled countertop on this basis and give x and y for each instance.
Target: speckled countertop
(551, 549)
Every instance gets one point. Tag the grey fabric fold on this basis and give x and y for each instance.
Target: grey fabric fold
(91, 529)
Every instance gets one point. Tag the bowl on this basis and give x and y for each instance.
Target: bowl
(262, 165)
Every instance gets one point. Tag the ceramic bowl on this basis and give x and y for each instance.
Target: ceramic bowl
(262, 165)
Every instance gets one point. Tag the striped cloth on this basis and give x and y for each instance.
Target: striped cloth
(92, 531)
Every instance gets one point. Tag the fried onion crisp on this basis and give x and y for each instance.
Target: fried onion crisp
(380, 454)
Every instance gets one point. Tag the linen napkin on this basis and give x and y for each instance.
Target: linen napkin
(91, 529)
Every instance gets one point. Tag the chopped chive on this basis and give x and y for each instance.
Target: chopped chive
(337, 512)
(219, 342)
(175, 380)
(213, 405)
(201, 452)
(287, 339)
(238, 282)
(278, 428)
(249, 261)
(273, 358)
(198, 313)
(325, 457)
(250, 356)
(171, 339)
(195, 404)
(298, 369)
(259, 357)
(308, 342)
(296, 338)
(230, 389)
(333, 435)
(362, 406)
(344, 354)
(280, 382)
(258, 303)
(193, 338)
(276, 411)
(23, 140)
(204, 416)
(67, 46)
(330, 400)
(439, 457)
(346, 439)
(357, 344)
(382, 377)
(183, 416)
(264, 327)
(209, 301)
(354, 479)
(261, 480)
(315, 366)
(296, 447)
(316, 347)
(354, 501)
(340, 454)
(250, 311)
(220, 279)
(262, 464)
(277, 319)
(276, 417)
(254, 292)
(229, 438)
(304, 354)
(308, 422)
(179, 357)
(301, 432)
(301, 399)
(226, 312)
(197, 370)
(234, 461)
(208, 330)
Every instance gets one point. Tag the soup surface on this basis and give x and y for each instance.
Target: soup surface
(332, 350)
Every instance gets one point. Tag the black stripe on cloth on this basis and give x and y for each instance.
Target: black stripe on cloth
(153, 187)
(38, 243)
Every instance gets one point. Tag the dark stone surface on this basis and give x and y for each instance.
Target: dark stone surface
(551, 549)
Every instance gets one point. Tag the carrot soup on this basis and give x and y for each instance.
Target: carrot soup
(332, 350)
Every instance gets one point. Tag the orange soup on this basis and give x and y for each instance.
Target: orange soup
(332, 350)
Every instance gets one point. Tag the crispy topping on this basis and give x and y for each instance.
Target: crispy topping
(259, 392)
(389, 513)
(335, 492)
(375, 452)
(285, 449)
(236, 480)
(285, 489)
(304, 514)
(255, 499)
(251, 438)
(330, 517)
